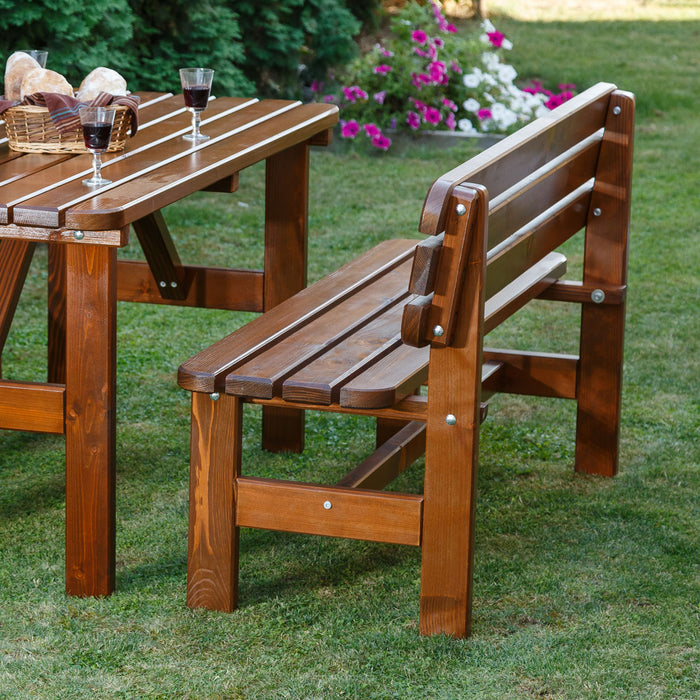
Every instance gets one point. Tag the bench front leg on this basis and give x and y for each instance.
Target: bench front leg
(215, 462)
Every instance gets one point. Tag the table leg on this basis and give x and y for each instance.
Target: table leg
(286, 232)
(57, 314)
(90, 419)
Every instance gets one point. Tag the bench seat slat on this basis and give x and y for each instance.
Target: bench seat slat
(263, 375)
(206, 371)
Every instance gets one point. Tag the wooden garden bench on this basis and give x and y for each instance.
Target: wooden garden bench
(366, 338)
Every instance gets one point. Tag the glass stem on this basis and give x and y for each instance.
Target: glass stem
(97, 166)
(196, 119)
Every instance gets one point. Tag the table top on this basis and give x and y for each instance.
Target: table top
(157, 167)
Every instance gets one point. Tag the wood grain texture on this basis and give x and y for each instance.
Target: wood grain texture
(31, 406)
(215, 458)
(15, 258)
(90, 419)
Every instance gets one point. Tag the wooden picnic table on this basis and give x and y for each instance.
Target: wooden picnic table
(42, 200)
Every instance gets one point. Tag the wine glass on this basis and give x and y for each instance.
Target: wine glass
(37, 55)
(196, 85)
(97, 125)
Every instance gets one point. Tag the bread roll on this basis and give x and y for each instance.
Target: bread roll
(17, 67)
(44, 80)
(101, 80)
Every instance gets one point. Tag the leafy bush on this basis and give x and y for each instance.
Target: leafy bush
(292, 41)
(427, 75)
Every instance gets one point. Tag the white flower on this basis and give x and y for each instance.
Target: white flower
(472, 80)
(507, 44)
(467, 127)
(491, 61)
(471, 105)
(506, 73)
(488, 27)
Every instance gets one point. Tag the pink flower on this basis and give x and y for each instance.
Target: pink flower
(450, 28)
(379, 97)
(450, 121)
(349, 129)
(454, 67)
(353, 93)
(329, 98)
(316, 86)
(419, 36)
(382, 142)
(496, 38)
(413, 120)
(420, 106)
(484, 113)
(432, 115)
(553, 102)
(437, 71)
(449, 104)
(372, 130)
(383, 69)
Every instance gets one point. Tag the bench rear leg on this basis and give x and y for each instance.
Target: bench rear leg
(215, 460)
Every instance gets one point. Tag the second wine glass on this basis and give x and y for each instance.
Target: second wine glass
(196, 86)
(97, 123)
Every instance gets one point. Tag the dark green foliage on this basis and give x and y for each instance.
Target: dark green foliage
(293, 41)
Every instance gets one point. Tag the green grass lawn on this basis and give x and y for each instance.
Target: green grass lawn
(584, 587)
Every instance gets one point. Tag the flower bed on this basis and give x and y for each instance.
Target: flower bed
(427, 75)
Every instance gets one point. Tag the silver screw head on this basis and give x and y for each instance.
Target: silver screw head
(597, 211)
(163, 283)
(327, 505)
(214, 396)
(598, 296)
(438, 331)
(450, 419)
(617, 109)
(173, 284)
(78, 235)
(461, 210)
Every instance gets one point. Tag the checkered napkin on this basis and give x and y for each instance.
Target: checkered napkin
(63, 109)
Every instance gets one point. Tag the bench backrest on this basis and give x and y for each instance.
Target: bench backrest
(518, 201)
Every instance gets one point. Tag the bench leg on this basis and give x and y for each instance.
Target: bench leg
(215, 461)
(57, 314)
(599, 389)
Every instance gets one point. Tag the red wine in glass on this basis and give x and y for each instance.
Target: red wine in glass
(196, 84)
(96, 135)
(196, 96)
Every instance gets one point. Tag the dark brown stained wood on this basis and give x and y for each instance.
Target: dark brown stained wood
(531, 373)
(228, 184)
(523, 289)
(117, 238)
(15, 258)
(202, 372)
(294, 507)
(211, 162)
(90, 419)
(408, 409)
(212, 560)
(207, 287)
(534, 195)
(425, 263)
(154, 148)
(56, 306)
(33, 407)
(263, 374)
(452, 454)
(18, 168)
(599, 388)
(581, 293)
(389, 460)
(526, 247)
(415, 330)
(154, 142)
(161, 255)
(518, 155)
(386, 382)
(320, 380)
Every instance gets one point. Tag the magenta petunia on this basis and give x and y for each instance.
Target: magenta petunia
(413, 120)
(449, 104)
(379, 97)
(450, 121)
(382, 142)
(484, 113)
(383, 69)
(349, 129)
(432, 115)
(419, 36)
(496, 39)
(372, 130)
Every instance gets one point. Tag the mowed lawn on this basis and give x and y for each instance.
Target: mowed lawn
(585, 587)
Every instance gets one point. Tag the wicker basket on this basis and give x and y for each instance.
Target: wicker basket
(30, 130)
